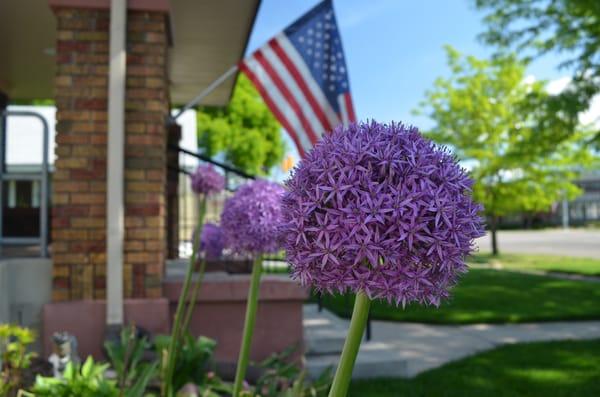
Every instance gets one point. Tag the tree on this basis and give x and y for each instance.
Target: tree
(245, 131)
(536, 27)
(489, 115)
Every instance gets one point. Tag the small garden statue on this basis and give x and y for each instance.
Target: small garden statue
(64, 351)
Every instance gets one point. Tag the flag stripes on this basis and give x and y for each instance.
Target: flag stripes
(302, 83)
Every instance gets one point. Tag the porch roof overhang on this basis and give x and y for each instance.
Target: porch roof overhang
(207, 38)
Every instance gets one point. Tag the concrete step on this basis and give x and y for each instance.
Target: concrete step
(324, 336)
(375, 360)
(324, 333)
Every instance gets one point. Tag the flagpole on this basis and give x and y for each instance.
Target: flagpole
(211, 87)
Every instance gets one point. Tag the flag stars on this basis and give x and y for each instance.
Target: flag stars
(319, 45)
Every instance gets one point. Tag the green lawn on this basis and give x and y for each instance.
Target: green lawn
(586, 266)
(492, 296)
(549, 369)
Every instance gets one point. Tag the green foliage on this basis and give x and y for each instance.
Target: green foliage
(78, 381)
(283, 378)
(494, 122)
(14, 357)
(536, 27)
(193, 360)
(245, 131)
(133, 375)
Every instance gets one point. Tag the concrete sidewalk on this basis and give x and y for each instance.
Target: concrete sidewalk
(407, 349)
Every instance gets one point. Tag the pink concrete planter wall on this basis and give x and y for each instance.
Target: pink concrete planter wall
(86, 319)
(220, 309)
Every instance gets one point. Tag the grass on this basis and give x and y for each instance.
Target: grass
(492, 296)
(549, 263)
(557, 369)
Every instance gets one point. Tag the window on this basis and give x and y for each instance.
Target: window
(22, 194)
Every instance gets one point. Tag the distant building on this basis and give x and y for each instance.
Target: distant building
(585, 209)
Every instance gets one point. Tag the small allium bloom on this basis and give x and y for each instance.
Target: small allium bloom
(206, 180)
(251, 218)
(378, 208)
(212, 241)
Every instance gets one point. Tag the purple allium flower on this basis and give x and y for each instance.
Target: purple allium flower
(380, 209)
(206, 180)
(212, 241)
(252, 217)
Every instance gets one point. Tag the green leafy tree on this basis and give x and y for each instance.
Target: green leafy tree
(490, 116)
(245, 131)
(536, 27)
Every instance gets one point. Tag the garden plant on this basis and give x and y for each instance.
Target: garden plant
(205, 181)
(250, 221)
(378, 210)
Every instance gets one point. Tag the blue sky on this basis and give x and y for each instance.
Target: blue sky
(394, 48)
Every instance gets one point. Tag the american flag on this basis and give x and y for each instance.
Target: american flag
(302, 76)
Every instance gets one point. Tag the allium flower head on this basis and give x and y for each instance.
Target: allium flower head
(206, 180)
(251, 218)
(212, 241)
(378, 208)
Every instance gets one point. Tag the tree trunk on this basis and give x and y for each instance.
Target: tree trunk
(493, 229)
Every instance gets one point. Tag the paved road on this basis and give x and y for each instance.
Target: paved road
(575, 242)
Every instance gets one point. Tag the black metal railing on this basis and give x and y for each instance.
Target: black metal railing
(187, 200)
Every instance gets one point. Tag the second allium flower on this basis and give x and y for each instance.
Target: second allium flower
(206, 180)
(251, 218)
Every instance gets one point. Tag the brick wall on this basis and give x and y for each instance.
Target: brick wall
(147, 106)
(79, 181)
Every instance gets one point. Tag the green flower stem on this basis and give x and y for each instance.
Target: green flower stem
(176, 329)
(194, 297)
(343, 374)
(251, 306)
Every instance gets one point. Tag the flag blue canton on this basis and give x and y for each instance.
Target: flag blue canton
(317, 39)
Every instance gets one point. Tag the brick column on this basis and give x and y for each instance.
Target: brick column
(79, 182)
(147, 105)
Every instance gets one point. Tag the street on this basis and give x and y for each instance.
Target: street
(572, 242)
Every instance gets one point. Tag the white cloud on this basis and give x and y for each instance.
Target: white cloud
(557, 86)
(592, 115)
